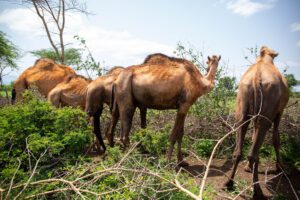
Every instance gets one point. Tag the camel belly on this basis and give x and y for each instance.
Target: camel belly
(155, 97)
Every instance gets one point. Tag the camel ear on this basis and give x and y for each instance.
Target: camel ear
(208, 58)
(219, 58)
(263, 51)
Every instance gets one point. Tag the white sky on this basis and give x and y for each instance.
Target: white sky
(125, 32)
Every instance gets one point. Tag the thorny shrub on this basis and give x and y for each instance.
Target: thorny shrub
(32, 127)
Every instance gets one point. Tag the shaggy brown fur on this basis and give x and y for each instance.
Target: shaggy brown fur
(264, 91)
(171, 84)
(45, 75)
(159, 58)
(99, 93)
(71, 92)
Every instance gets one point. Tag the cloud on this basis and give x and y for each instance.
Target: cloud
(295, 27)
(247, 8)
(21, 20)
(115, 47)
(298, 44)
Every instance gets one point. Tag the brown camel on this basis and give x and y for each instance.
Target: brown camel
(71, 92)
(263, 91)
(99, 92)
(172, 83)
(45, 75)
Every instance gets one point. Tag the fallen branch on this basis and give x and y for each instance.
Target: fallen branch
(32, 174)
(12, 180)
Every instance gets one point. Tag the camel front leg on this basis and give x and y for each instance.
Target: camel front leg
(143, 115)
(177, 134)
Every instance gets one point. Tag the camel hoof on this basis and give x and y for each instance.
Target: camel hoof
(119, 142)
(228, 185)
(111, 143)
(143, 126)
(183, 164)
(259, 196)
(101, 150)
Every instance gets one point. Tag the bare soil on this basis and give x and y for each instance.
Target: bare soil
(276, 184)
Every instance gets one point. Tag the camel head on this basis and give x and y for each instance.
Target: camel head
(212, 62)
(267, 51)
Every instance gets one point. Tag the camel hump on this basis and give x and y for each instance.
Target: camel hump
(44, 63)
(156, 58)
(159, 58)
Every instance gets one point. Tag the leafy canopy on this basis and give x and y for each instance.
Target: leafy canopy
(8, 54)
(72, 56)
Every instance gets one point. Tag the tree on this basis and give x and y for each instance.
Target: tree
(53, 16)
(8, 54)
(252, 54)
(228, 83)
(292, 81)
(72, 56)
(89, 64)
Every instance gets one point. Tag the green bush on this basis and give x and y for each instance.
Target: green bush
(290, 149)
(153, 142)
(30, 128)
(203, 147)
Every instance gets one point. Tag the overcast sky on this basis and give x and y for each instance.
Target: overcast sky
(124, 32)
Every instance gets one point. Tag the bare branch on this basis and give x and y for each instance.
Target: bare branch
(32, 174)
(12, 180)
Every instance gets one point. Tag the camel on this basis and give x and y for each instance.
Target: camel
(171, 83)
(45, 74)
(71, 92)
(99, 92)
(263, 91)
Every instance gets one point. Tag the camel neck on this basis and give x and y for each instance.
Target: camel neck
(211, 74)
(207, 82)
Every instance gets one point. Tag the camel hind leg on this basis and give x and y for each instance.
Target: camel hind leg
(276, 142)
(112, 125)
(126, 115)
(237, 155)
(125, 103)
(97, 130)
(262, 125)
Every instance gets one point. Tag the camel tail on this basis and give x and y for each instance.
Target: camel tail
(13, 96)
(112, 103)
(258, 94)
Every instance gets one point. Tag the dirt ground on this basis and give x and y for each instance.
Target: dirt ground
(273, 184)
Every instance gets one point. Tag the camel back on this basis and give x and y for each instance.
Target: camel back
(159, 58)
(77, 76)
